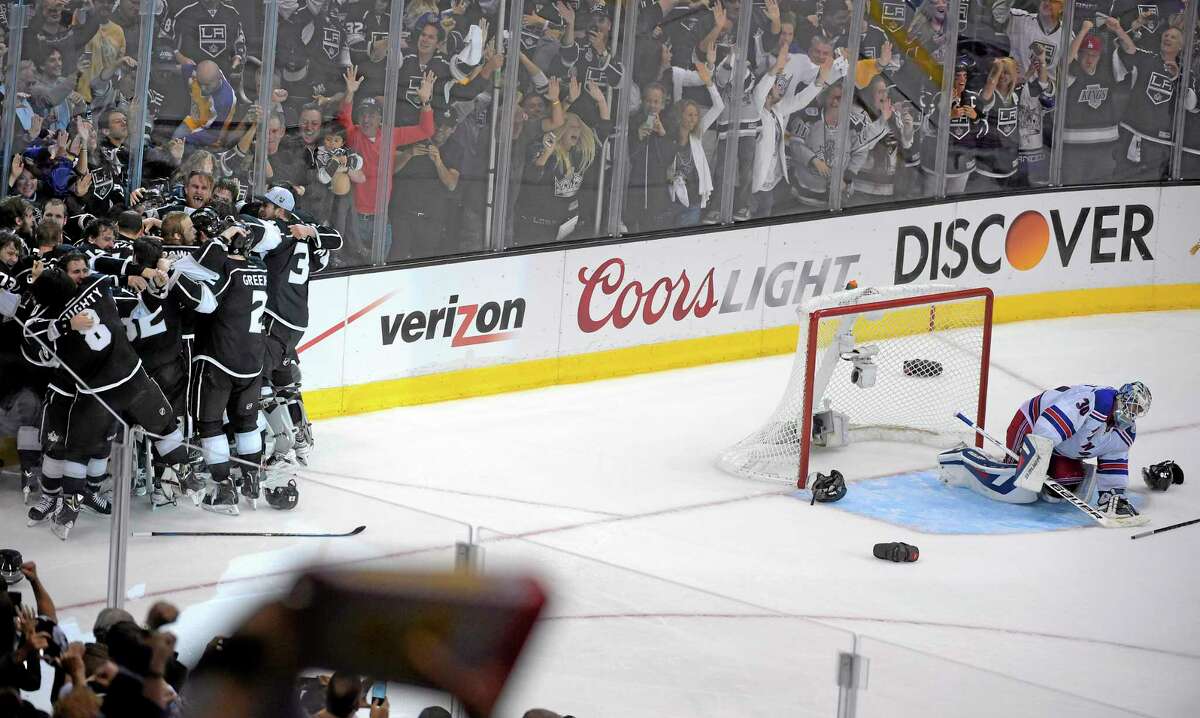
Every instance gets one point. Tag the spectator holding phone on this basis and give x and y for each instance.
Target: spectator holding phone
(649, 158)
(344, 696)
(424, 191)
(548, 207)
(690, 178)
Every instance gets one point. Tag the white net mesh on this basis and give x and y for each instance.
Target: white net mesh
(928, 365)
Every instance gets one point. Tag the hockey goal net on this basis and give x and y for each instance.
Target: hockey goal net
(875, 364)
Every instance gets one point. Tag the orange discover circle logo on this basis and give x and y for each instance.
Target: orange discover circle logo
(1027, 241)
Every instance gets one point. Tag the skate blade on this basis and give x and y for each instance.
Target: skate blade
(223, 510)
(61, 531)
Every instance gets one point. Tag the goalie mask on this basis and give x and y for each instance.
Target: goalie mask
(1132, 402)
(283, 497)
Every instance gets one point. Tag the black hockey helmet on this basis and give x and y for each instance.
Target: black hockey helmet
(10, 566)
(53, 288)
(283, 497)
(208, 222)
(827, 489)
(1160, 476)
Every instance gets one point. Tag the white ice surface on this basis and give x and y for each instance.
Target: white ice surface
(680, 591)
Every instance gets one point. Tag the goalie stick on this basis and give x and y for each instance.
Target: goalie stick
(146, 534)
(1062, 491)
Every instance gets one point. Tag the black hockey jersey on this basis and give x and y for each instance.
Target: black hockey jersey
(289, 266)
(1150, 112)
(101, 357)
(412, 74)
(204, 34)
(1092, 104)
(157, 323)
(231, 337)
(997, 138)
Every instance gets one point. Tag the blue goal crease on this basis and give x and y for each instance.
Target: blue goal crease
(919, 501)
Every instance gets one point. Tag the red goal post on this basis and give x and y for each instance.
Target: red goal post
(876, 364)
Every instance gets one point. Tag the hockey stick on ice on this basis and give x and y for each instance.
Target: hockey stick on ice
(1062, 491)
(145, 534)
(1179, 525)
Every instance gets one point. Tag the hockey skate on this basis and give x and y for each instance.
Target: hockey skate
(43, 509)
(1117, 509)
(166, 490)
(29, 483)
(304, 444)
(221, 498)
(280, 468)
(140, 481)
(64, 518)
(191, 483)
(251, 486)
(96, 503)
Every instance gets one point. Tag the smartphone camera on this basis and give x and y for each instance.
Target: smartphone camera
(378, 693)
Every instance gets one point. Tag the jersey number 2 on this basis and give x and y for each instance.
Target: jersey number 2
(258, 304)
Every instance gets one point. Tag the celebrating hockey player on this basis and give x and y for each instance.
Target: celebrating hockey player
(103, 380)
(228, 361)
(1054, 433)
(303, 249)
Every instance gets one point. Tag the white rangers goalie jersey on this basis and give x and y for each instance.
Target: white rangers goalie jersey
(1078, 419)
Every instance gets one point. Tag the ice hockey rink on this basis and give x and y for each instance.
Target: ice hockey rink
(678, 590)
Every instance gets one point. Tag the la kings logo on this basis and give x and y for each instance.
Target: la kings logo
(331, 42)
(1150, 14)
(1042, 49)
(1006, 120)
(1093, 96)
(212, 39)
(568, 185)
(1159, 88)
(412, 94)
(892, 16)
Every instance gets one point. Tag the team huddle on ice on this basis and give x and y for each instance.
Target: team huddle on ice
(191, 334)
(1052, 435)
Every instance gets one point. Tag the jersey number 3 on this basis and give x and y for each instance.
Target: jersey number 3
(299, 273)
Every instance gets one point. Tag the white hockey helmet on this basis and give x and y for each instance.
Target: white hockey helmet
(1132, 403)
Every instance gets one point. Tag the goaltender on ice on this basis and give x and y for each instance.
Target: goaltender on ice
(1054, 434)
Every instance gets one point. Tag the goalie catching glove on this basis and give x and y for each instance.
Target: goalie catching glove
(1160, 476)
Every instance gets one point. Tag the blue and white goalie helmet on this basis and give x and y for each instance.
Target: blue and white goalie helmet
(1132, 403)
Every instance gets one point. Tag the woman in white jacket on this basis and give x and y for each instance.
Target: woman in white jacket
(770, 157)
(689, 179)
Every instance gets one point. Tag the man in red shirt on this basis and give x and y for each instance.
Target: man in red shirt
(364, 138)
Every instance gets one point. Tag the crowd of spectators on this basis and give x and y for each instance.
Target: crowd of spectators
(324, 117)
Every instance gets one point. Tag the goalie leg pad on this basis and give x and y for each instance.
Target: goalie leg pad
(996, 480)
(279, 421)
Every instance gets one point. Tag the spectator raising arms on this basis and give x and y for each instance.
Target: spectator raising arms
(364, 129)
